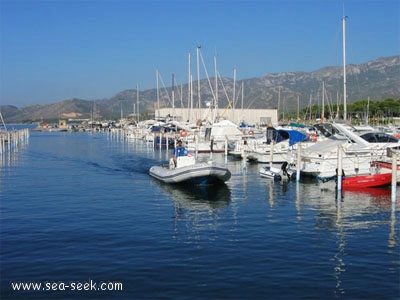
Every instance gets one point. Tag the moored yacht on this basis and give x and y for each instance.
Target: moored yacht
(321, 159)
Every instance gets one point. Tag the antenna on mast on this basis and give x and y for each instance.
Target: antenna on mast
(198, 74)
(344, 70)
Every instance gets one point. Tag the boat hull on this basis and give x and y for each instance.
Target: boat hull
(367, 181)
(199, 173)
(386, 167)
(277, 174)
(267, 173)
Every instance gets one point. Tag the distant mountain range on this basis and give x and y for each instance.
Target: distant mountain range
(378, 80)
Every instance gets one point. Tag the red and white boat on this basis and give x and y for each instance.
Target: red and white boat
(367, 181)
(386, 167)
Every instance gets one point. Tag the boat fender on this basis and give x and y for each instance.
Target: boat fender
(171, 164)
(183, 133)
(313, 137)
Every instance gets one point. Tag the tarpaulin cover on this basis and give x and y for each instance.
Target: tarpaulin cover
(279, 135)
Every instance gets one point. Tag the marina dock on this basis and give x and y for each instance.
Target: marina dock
(11, 139)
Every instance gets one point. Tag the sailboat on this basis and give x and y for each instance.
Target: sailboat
(321, 159)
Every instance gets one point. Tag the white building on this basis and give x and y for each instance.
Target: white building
(249, 116)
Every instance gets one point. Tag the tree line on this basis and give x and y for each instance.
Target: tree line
(359, 112)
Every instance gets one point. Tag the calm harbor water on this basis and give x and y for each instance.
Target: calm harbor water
(81, 208)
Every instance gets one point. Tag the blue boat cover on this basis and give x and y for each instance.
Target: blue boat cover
(279, 135)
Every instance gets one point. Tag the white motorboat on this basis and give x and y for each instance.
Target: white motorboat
(272, 173)
(282, 173)
(279, 147)
(321, 159)
(188, 170)
(218, 138)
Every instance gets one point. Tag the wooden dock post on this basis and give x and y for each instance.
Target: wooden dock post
(298, 162)
(394, 175)
(226, 150)
(339, 169)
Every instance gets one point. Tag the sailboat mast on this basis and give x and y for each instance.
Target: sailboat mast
(242, 95)
(344, 70)
(158, 94)
(137, 99)
(323, 102)
(216, 89)
(198, 75)
(133, 107)
(191, 96)
(234, 95)
(173, 96)
(2, 121)
(279, 100)
(337, 104)
(190, 104)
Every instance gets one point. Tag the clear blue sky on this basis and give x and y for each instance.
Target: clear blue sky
(93, 49)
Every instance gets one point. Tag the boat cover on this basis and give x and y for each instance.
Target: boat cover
(279, 135)
(332, 143)
(225, 129)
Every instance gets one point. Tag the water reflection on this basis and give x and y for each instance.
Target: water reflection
(198, 197)
(348, 212)
(392, 234)
(9, 155)
(340, 266)
(197, 210)
(278, 191)
(298, 201)
(353, 202)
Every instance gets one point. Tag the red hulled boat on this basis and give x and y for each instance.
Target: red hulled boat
(367, 181)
